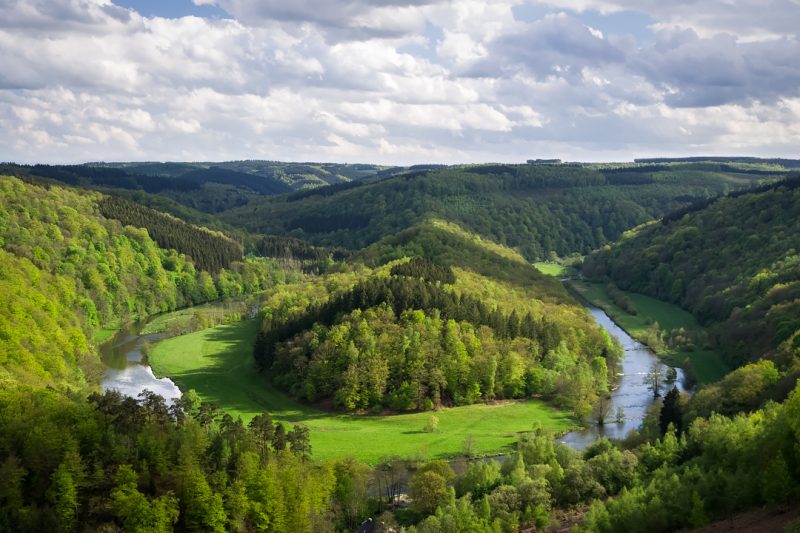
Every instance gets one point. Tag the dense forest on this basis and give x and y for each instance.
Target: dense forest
(732, 262)
(541, 210)
(409, 344)
(208, 251)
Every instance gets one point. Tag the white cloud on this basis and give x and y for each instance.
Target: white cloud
(397, 81)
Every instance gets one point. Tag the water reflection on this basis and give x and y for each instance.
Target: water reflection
(126, 373)
(632, 393)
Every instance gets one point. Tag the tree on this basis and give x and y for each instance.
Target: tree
(64, 495)
(653, 378)
(262, 429)
(137, 514)
(671, 412)
(300, 440)
(279, 438)
(428, 491)
(602, 408)
(432, 425)
(350, 495)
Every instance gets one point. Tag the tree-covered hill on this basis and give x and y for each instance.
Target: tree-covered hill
(539, 210)
(465, 320)
(732, 262)
(207, 187)
(67, 269)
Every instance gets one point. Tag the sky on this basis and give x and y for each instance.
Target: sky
(397, 81)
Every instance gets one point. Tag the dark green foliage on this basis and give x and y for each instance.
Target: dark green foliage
(99, 177)
(671, 412)
(538, 209)
(788, 163)
(116, 462)
(419, 267)
(209, 251)
(295, 249)
(620, 299)
(257, 184)
(732, 263)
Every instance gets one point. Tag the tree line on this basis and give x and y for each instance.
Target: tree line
(402, 293)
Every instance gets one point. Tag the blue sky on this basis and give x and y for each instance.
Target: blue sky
(397, 81)
(173, 8)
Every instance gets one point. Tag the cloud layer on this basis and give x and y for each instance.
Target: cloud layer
(399, 81)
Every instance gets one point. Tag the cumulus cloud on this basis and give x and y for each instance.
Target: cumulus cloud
(396, 81)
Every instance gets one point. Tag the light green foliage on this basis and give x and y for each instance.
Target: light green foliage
(65, 271)
(167, 489)
(432, 425)
(136, 513)
(723, 465)
(428, 491)
(744, 389)
(480, 478)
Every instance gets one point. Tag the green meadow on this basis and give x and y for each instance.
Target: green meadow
(707, 365)
(552, 269)
(218, 364)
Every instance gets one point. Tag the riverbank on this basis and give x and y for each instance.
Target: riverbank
(218, 363)
(705, 366)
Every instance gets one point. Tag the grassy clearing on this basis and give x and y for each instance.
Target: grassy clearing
(707, 365)
(105, 333)
(552, 269)
(218, 364)
(176, 319)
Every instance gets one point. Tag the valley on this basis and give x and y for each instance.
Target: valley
(576, 322)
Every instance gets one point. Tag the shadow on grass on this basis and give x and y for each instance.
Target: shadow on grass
(233, 382)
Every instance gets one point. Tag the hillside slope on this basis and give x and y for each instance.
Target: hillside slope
(66, 270)
(733, 263)
(539, 210)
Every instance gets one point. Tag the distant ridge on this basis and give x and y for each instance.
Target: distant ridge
(788, 163)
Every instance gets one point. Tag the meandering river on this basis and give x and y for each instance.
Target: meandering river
(127, 373)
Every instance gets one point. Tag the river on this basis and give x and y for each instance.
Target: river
(127, 374)
(631, 393)
(126, 371)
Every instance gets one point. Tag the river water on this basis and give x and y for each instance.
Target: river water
(127, 374)
(632, 394)
(125, 370)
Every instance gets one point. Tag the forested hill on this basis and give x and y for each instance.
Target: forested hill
(539, 210)
(66, 270)
(207, 187)
(464, 321)
(734, 263)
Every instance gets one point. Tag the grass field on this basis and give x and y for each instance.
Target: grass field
(218, 364)
(105, 333)
(708, 366)
(551, 269)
